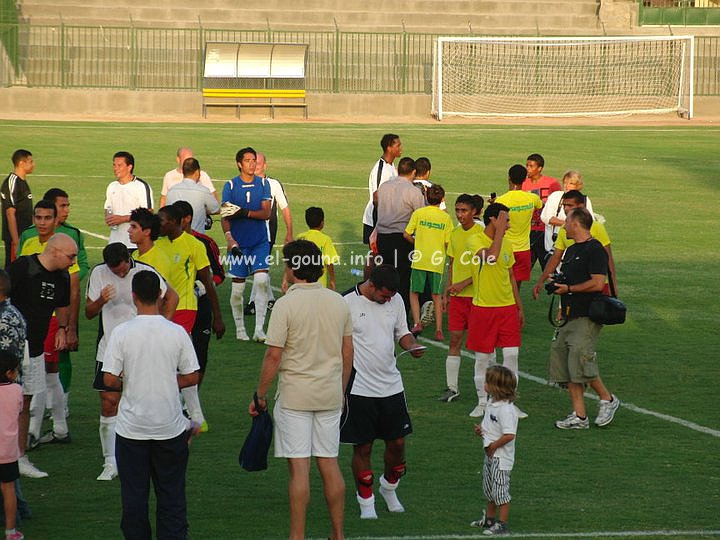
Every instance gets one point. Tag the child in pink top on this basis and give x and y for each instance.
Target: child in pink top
(11, 402)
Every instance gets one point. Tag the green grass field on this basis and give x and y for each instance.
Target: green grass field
(657, 188)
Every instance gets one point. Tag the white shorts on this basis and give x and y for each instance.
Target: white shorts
(301, 434)
(33, 373)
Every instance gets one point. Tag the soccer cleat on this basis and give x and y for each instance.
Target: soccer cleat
(108, 473)
(427, 313)
(29, 470)
(520, 413)
(572, 422)
(259, 336)
(449, 395)
(51, 438)
(416, 330)
(15, 535)
(33, 442)
(387, 490)
(270, 304)
(607, 410)
(484, 522)
(249, 309)
(367, 507)
(241, 334)
(204, 428)
(498, 528)
(478, 411)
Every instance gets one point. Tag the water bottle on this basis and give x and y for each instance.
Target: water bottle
(356, 272)
(108, 213)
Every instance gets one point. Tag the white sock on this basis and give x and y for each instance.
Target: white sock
(261, 284)
(55, 392)
(452, 369)
(192, 402)
(237, 304)
(510, 359)
(107, 439)
(37, 411)
(482, 362)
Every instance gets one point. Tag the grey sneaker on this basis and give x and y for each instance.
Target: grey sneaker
(478, 411)
(497, 528)
(449, 395)
(427, 313)
(607, 410)
(573, 422)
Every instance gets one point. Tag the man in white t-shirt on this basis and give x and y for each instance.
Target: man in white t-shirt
(109, 293)
(175, 176)
(382, 171)
(152, 435)
(376, 407)
(124, 195)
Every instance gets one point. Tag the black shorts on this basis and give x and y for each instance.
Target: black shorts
(368, 418)
(9, 472)
(202, 329)
(367, 231)
(98, 382)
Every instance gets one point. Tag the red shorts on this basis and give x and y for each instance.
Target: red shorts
(185, 318)
(459, 313)
(51, 355)
(521, 268)
(492, 327)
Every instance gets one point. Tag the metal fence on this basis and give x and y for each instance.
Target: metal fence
(140, 58)
(679, 12)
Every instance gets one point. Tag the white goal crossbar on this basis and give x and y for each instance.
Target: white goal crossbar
(565, 76)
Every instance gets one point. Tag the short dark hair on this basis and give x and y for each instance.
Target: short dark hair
(492, 211)
(128, 157)
(147, 220)
(537, 158)
(189, 166)
(387, 140)
(115, 253)
(473, 201)
(517, 174)
(479, 203)
(385, 276)
(20, 155)
(172, 213)
(48, 205)
(184, 207)
(55, 193)
(146, 286)
(241, 153)
(304, 259)
(582, 216)
(435, 194)
(8, 362)
(406, 166)
(422, 166)
(314, 216)
(574, 195)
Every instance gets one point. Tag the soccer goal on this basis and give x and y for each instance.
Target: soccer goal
(568, 76)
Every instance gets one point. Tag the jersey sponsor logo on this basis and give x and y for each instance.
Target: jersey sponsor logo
(47, 290)
(432, 224)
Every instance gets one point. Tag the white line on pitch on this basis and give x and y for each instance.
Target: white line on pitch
(629, 406)
(597, 534)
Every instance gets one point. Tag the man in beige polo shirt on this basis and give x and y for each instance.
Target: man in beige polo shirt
(309, 345)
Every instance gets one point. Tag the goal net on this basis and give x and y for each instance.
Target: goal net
(562, 76)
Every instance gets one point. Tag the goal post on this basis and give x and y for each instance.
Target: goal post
(565, 76)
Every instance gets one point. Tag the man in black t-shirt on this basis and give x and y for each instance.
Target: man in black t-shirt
(40, 284)
(16, 202)
(572, 354)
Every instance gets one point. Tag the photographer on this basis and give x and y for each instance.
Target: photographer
(573, 359)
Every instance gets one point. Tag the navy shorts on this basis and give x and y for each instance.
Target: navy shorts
(368, 418)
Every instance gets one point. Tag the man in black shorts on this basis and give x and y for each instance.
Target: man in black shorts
(17, 204)
(376, 407)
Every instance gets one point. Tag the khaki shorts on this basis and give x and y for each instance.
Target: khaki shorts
(301, 434)
(572, 353)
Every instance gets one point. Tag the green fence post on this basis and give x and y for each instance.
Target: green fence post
(336, 63)
(63, 57)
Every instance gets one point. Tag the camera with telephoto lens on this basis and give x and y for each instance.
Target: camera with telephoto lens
(556, 278)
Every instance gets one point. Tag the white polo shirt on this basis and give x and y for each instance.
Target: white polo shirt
(376, 329)
(500, 418)
(150, 403)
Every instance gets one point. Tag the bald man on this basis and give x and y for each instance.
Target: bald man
(175, 176)
(40, 284)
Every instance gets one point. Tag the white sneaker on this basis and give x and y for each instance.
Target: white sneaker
(478, 411)
(427, 313)
(573, 422)
(241, 334)
(387, 490)
(520, 413)
(108, 473)
(29, 470)
(259, 336)
(367, 507)
(607, 410)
